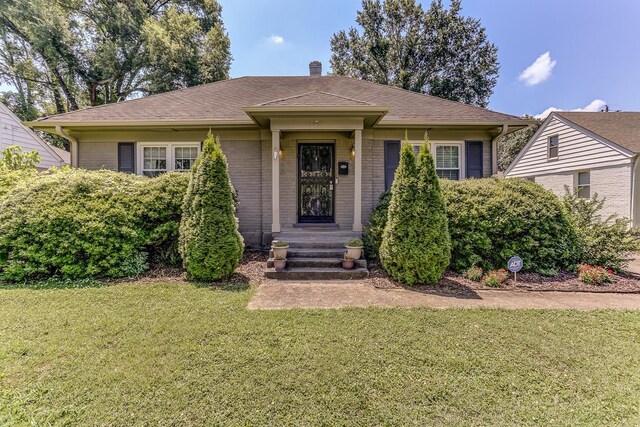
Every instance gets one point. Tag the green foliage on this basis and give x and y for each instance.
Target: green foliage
(510, 145)
(12, 158)
(210, 244)
(61, 54)
(75, 224)
(11, 178)
(416, 246)
(377, 221)
(354, 243)
(495, 278)
(437, 51)
(491, 220)
(279, 244)
(607, 242)
(474, 273)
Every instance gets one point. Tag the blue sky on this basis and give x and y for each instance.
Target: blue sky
(593, 46)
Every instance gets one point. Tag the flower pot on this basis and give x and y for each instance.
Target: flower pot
(348, 264)
(279, 252)
(280, 264)
(354, 252)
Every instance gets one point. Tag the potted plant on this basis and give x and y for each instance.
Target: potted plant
(279, 262)
(347, 261)
(279, 249)
(354, 248)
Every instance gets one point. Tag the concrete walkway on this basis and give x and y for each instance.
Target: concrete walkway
(284, 294)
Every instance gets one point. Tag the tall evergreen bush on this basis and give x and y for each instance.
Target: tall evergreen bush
(416, 246)
(210, 244)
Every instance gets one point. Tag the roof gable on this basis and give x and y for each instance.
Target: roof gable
(620, 128)
(316, 99)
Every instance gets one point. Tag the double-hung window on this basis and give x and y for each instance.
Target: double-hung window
(583, 184)
(447, 158)
(553, 143)
(158, 158)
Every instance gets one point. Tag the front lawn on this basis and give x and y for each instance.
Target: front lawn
(160, 354)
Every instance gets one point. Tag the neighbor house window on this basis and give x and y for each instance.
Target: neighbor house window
(154, 161)
(552, 151)
(584, 184)
(158, 158)
(448, 161)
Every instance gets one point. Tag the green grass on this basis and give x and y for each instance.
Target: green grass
(165, 354)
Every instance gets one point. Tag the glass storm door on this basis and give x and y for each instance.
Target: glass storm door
(315, 183)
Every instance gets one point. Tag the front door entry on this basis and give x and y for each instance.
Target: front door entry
(315, 182)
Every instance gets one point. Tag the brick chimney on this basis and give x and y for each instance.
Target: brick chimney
(315, 68)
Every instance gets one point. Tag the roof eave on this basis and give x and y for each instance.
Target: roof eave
(43, 124)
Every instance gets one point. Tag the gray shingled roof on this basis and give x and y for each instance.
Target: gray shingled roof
(224, 100)
(621, 128)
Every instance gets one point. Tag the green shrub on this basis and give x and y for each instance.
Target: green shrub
(279, 244)
(11, 178)
(474, 273)
(354, 243)
(377, 221)
(493, 219)
(210, 244)
(608, 242)
(416, 247)
(159, 206)
(12, 158)
(75, 223)
(495, 278)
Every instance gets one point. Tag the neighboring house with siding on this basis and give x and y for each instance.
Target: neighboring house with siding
(13, 132)
(301, 150)
(595, 153)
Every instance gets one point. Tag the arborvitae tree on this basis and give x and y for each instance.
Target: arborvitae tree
(210, 244)
(416, 247)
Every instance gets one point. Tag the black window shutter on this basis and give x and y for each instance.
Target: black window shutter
(126, 157)
(474, 159)
(391, 161)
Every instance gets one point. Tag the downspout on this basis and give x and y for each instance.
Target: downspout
(633, 190)
(73, 144)
(494, 150)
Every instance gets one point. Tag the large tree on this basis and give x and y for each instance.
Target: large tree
(510, 145)
(437, 51)
(62, 55)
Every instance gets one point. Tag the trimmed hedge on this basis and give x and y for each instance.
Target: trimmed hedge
(493, 219)
(76, 223)
(210, 243)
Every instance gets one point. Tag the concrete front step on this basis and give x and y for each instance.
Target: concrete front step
(318, 262)
(314, 273)
(315, 252)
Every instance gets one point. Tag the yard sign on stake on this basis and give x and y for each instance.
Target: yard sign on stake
(514, 265)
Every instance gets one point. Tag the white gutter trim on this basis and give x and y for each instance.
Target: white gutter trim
(633, 190)
(73, 144)
(494, 149)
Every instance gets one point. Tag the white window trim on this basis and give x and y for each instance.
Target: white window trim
(170, 152)
(549, 147)
(462, 165)
(576, 187)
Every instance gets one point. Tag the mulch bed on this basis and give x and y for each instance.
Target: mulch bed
(454, 283)
(253, 265)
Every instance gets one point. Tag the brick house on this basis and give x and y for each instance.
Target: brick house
(593, 152)
(301, 150)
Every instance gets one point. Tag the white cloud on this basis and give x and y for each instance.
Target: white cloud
(595, 105)
(539, 71)
(276, 39)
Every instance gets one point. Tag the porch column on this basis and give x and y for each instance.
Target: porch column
(357, 200)
(275, 181)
